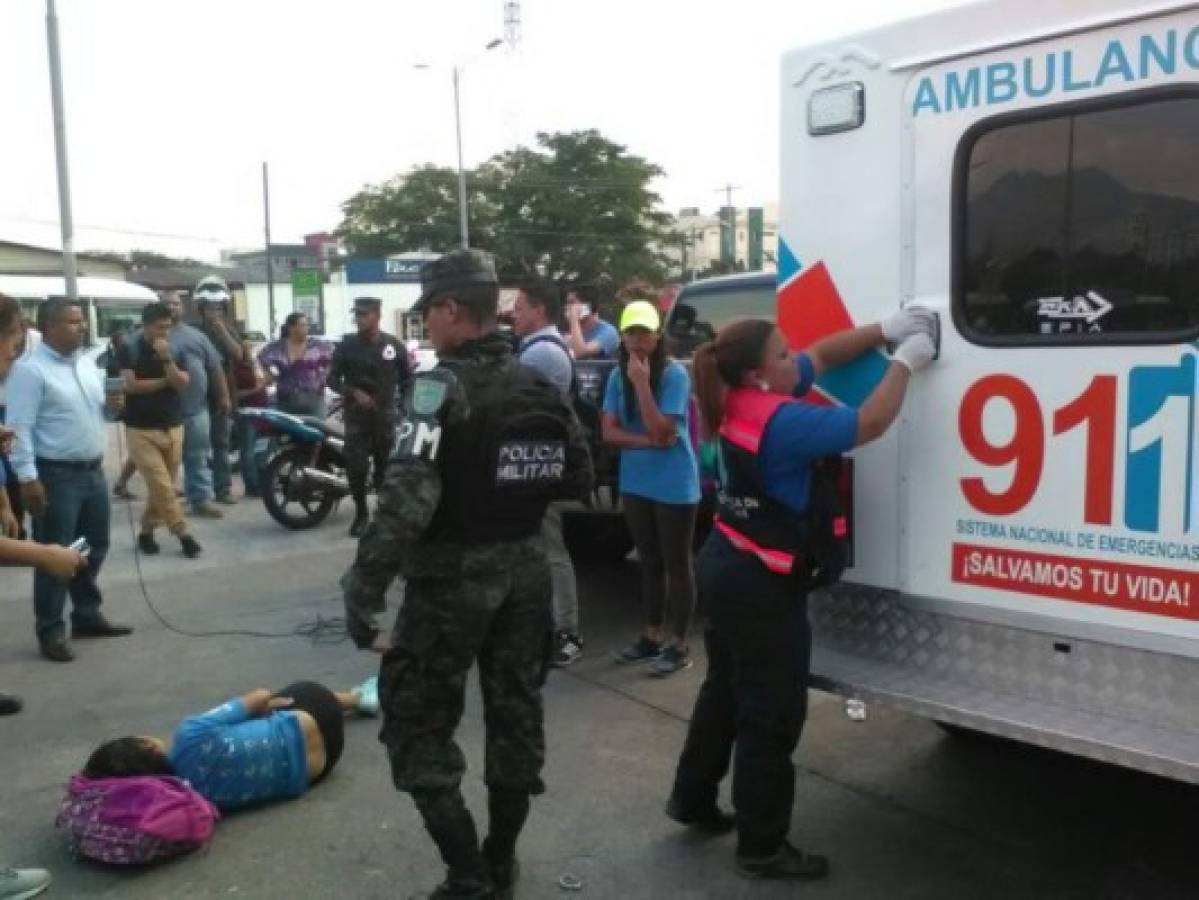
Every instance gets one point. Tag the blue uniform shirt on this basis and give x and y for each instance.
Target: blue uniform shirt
(235, 761)
(662, 474)
(796, 436)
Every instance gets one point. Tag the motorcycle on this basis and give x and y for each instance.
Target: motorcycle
(305, 477)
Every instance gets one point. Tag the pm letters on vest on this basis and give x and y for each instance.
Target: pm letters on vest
(417, 439)
(531, 462)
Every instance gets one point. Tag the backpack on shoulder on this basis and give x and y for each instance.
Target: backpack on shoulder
(134, 821)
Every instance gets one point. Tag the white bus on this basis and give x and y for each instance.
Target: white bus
(1027, 541)
(108, 304)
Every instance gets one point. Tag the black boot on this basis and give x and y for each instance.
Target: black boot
(362, 518)
(508, 811)
(449, 823)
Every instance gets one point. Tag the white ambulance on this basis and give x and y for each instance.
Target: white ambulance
(1026, 541)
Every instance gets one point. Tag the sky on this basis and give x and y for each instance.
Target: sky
(174, 105)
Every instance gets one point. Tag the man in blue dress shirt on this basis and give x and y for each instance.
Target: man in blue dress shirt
(56, 407)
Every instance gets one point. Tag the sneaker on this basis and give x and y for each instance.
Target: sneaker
(788, 862)
(714, 820)
(368, 697)
(669, 661)
(191, 547)
(207, 511)
(21, 884)
(146, 544)
(570, 648)
(641, 650)
(227, 500)
(10, 705)
(120, 491)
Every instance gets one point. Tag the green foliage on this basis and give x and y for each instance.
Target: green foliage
(417, 211)
(575, 208)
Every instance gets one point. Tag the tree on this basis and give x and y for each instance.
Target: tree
(575, 208)
(417, 211)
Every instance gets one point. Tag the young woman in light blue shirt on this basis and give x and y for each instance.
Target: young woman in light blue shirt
(645, 415)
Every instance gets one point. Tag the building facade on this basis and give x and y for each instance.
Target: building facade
(27, 259)
(733, 239)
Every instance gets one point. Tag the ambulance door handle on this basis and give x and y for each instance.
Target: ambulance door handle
(934, 304)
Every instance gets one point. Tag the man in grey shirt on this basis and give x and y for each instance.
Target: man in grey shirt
(543, 349)
(204, 370)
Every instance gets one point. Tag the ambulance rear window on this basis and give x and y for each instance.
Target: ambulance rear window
(1082, 227)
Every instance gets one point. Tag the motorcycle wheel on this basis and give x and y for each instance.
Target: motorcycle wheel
(289, 503)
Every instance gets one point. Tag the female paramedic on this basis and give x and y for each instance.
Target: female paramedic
(755, 569)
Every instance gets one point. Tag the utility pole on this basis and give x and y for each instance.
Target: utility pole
(65, 219)
(728, 226)
(727, 190)
(270, 265)
(463, 225)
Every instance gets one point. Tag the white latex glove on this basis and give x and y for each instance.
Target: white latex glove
(916, 352)
(900, 326)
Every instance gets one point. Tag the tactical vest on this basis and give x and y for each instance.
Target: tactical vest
(811, 545)
(507, 460)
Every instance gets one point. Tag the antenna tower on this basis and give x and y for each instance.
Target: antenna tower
(512, 23)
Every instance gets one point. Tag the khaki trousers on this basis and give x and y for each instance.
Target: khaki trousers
(157, 453)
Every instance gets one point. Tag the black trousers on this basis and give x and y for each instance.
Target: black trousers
(369, 437)
(662, 533)
(753, 702)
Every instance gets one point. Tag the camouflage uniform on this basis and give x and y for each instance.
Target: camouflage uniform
(463, 602)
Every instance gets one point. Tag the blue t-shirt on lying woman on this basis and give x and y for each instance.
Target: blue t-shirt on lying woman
(234, 760)
(662, 474)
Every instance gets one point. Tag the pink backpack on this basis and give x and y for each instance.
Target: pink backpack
(136, 820)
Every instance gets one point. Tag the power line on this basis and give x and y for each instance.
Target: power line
(107, 230)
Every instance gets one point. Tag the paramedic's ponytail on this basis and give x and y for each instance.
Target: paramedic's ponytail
(721, 364)
(709, 390)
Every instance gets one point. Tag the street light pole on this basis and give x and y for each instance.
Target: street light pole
(65, 219)
(270, 263)
(463, 218)
(463, 224)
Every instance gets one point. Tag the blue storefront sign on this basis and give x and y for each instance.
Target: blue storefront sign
(381, 271)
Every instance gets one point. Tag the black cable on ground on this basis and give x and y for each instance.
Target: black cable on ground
(320, 631)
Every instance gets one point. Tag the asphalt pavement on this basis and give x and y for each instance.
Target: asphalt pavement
(903, 809)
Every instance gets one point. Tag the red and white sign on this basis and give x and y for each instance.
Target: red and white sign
(1163, 592)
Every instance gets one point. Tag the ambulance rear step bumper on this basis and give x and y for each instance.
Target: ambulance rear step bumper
(1172, 753)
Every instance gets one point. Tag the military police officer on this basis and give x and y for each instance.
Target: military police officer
(367, 370)
(484, 444)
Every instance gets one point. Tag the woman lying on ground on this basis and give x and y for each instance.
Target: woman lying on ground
(263, 746)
